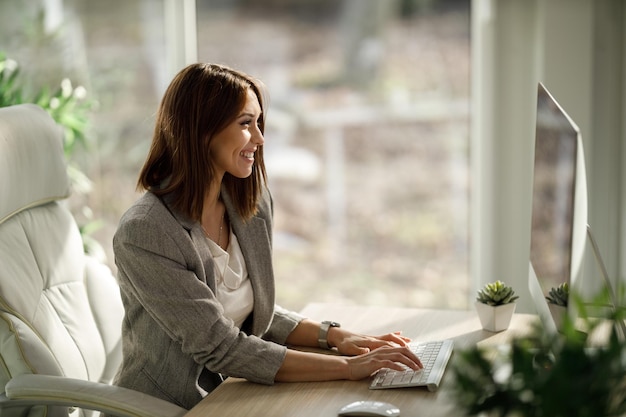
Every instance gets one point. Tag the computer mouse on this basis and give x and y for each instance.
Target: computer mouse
(369, 408)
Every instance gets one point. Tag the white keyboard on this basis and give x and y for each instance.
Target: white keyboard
(434, 356)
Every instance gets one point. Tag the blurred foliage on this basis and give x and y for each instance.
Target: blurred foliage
(548, 375)
(70, 107)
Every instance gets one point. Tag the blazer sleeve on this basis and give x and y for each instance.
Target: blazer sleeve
(158, 267)
(283, 323)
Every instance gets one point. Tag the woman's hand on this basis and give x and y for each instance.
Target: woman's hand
(311, 366)
(348, 343)
(362, 366)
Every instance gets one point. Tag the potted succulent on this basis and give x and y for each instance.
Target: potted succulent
(495, 304)
(557, 302)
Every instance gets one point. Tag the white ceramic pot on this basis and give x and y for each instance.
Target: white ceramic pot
(495, 319)
(558, 314)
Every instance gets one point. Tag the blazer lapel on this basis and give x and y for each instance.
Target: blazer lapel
(198, 238)
(254, 240)
(204, 252)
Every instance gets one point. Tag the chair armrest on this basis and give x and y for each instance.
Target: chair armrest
(18, 408)
(60, 391)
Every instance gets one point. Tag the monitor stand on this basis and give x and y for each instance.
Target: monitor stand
(614, 302)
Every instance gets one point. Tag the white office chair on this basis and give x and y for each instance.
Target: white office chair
(60, 310)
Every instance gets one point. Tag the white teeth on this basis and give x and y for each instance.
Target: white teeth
(247, 154)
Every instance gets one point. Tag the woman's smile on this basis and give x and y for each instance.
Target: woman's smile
(249, 155)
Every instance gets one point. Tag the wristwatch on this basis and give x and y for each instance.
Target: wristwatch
(322, 339)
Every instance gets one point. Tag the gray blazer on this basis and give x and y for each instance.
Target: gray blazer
(177, 343)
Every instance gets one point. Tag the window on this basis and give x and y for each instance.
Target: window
(367, 136)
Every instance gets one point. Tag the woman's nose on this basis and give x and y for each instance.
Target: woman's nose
(257, 137)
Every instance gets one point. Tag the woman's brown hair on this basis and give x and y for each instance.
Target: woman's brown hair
(201, 100)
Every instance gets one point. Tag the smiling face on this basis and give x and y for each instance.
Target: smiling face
(233, 149)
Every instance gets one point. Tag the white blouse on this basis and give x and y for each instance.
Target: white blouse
(234, 290)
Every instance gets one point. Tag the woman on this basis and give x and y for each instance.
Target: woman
(194, 258)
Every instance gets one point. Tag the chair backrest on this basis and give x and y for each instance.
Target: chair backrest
(60, 310)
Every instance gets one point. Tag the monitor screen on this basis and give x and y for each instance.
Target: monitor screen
(554, 180)
(559, 203)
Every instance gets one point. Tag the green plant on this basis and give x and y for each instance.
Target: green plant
(496, 293)
(68, 105)
(559, 295)
(556, 375)
(70, 108)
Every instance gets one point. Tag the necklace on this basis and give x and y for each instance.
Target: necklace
(219, 233)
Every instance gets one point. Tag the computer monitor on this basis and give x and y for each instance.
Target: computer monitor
(559, 229)
(559, 204)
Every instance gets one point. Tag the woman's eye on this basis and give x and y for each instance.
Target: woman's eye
(249, 122)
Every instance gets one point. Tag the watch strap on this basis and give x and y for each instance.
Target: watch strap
(322, 339)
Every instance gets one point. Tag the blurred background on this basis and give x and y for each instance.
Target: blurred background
(367, 137)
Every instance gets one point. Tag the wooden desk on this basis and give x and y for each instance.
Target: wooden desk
(237, 397)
